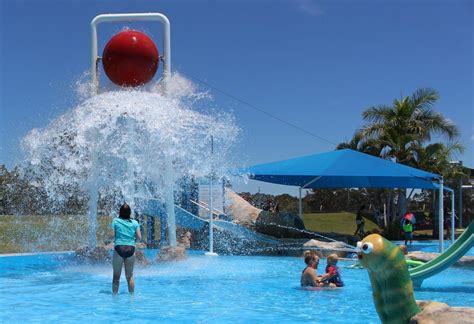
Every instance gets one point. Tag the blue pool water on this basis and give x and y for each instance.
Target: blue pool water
(429, 246)
(45, 288)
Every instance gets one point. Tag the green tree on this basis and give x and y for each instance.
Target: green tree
(401, 131)
(404, 126)
(361, 144)
(437, 157)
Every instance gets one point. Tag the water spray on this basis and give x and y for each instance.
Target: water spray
(117, 141)
(211, 232)
(131, 59)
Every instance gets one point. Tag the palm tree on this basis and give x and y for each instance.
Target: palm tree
(436, 158)
(409, 116)
(401, 130)
(405, 125)
(359, 143)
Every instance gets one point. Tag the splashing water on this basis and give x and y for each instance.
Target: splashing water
(119, 144)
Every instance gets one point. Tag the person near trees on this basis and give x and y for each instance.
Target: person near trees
(447, 223)
(360, 222)
(407, 227)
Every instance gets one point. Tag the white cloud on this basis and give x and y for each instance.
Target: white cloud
(310, 7)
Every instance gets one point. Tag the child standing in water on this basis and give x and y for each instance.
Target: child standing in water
(126, 233)
(333, 274)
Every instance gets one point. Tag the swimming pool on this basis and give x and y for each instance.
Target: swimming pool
(429, 246)
(40, 288)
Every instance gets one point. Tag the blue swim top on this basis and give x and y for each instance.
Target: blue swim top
(336, 278)
(125, 230)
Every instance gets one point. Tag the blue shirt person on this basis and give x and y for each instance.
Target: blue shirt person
(126, 232)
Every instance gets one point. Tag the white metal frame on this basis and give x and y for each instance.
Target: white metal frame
(166, 56)
(441, 215)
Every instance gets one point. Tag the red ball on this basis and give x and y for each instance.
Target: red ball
(130, 58)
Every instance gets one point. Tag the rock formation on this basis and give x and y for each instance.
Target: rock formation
(104, 254)
(327, 248)
(168, 253)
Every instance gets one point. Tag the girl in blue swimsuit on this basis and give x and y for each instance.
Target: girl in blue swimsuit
(126, 232)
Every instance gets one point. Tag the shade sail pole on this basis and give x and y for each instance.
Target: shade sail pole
(300, 200)
(441, 217)
(453, 215)
(300, 205)
(460, 204)
(314, 180)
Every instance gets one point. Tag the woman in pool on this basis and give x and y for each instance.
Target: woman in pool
(126, 232)
(309, 277)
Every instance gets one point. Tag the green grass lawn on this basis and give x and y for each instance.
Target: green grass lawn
(343, 223)
(40, 233)
(47, 233)
(36, 233)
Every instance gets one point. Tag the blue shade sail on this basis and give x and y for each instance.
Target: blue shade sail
(342, 169)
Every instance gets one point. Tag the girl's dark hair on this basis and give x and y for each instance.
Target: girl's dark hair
(125, 211)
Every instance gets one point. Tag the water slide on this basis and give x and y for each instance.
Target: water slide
(460, 247)
(187, 220)
(244, 232)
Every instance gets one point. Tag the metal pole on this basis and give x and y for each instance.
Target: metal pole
(223, 196)
(441, 217)
(152, 16)
(211, 238)
(460, 204)
(211, 229)
(453, 215)
(94, 59)
(169, 197)
(300, 205)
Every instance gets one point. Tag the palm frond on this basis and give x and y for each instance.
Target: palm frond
(424, 98)
(435, 123)
(378, 113)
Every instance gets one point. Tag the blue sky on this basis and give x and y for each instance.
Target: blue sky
(315, 64)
